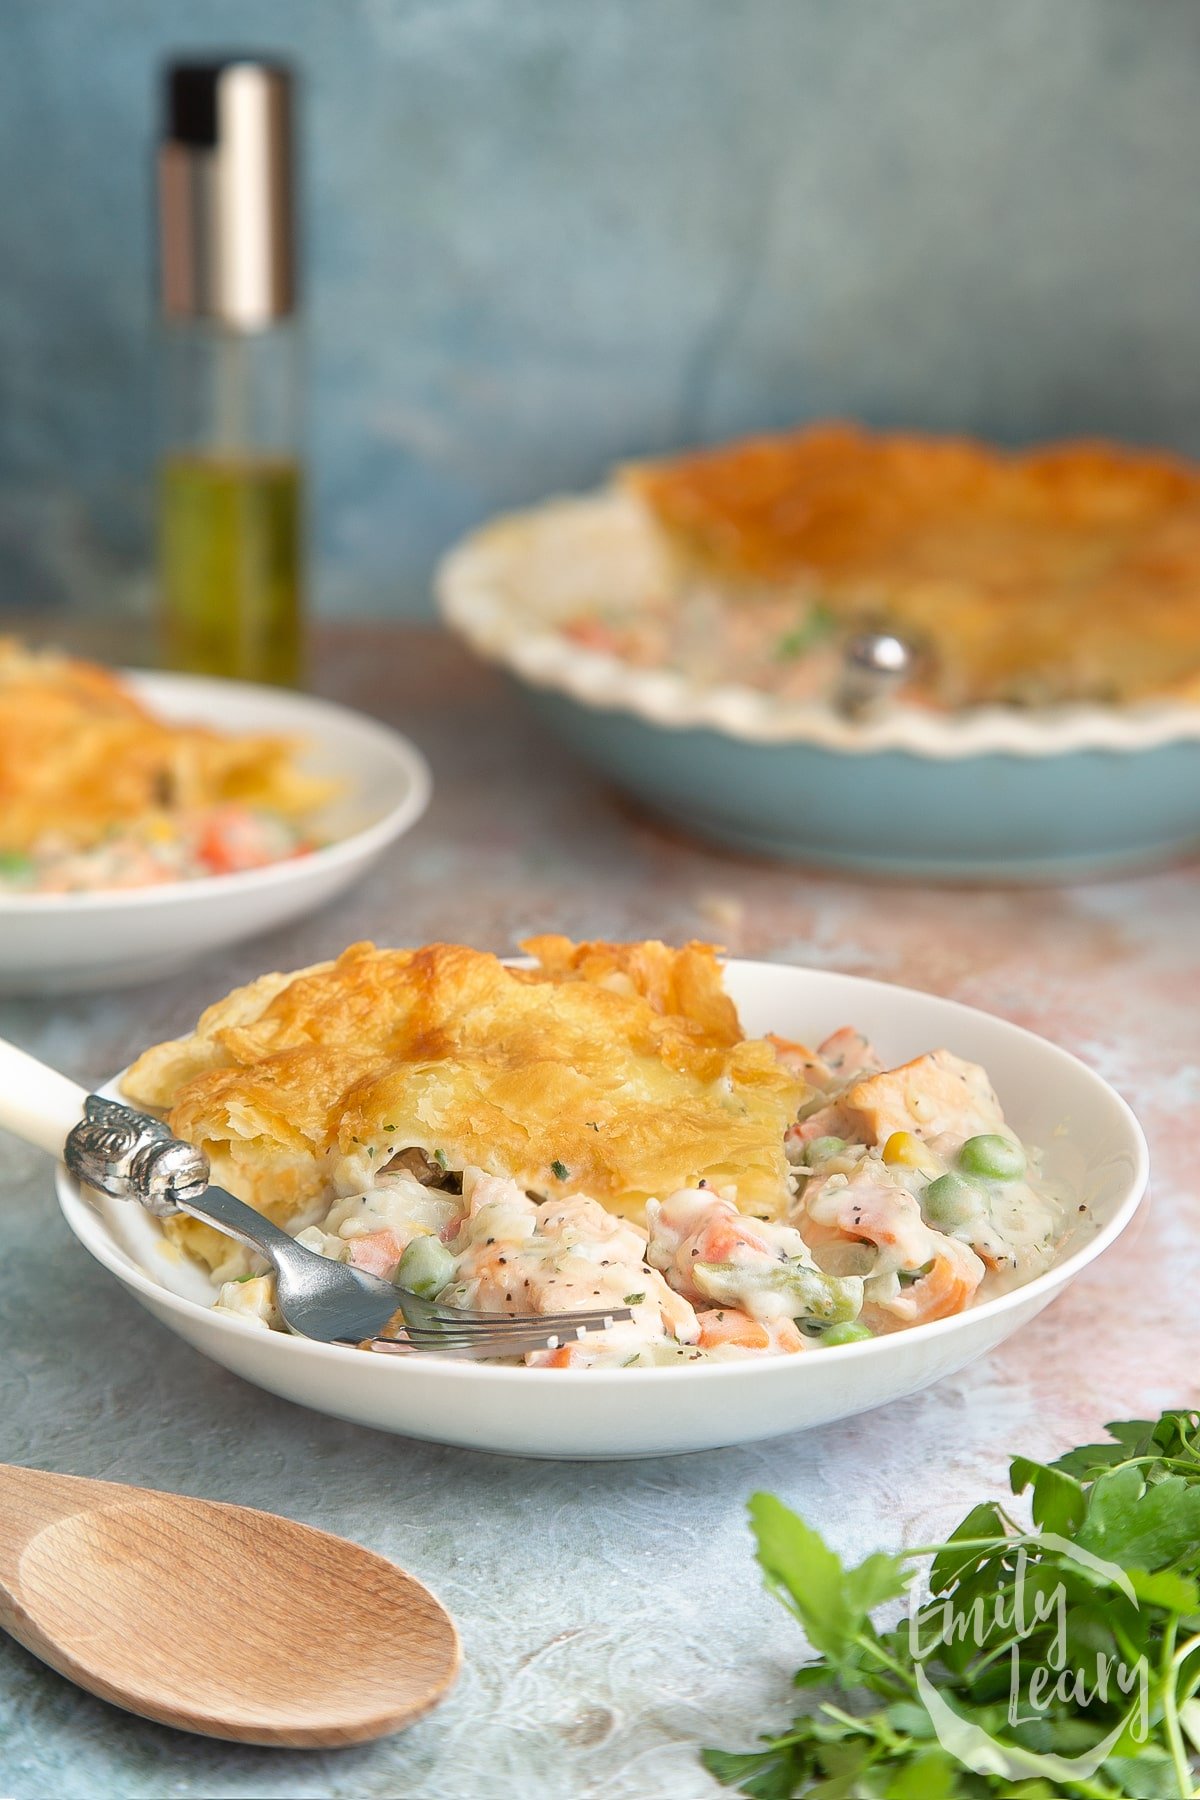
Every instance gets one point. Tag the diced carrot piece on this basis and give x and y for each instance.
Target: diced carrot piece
(216, 849)
(593, 634)
(729, 1326)
(785, 1336)
(565, 1357)
(947, 1288)
(378, 1252)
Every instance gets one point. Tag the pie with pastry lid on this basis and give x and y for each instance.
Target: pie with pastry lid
(620, 1069)
(1063, 574)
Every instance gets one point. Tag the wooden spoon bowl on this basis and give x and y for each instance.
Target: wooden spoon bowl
(217, 1619)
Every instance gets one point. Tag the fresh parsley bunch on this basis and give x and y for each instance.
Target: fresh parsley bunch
(1058, 1661)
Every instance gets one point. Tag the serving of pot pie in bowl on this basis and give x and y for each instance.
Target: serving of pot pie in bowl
(812, 1193)
(146, 818)
(687, 629)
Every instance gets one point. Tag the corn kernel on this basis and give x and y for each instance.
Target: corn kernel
(904, 1149)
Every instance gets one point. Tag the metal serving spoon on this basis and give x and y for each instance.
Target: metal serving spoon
(874, 665)
(217, 1619)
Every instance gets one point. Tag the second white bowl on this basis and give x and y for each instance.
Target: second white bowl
(70, 943)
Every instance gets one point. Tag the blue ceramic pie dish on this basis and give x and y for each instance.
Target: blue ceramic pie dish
(1057, 794)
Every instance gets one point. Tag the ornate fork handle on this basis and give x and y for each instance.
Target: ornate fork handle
(133, 1156)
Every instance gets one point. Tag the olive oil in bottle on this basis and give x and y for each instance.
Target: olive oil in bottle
(230, 561)
(231, 488)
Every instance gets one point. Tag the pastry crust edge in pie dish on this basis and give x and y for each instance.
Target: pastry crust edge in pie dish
(503, 587)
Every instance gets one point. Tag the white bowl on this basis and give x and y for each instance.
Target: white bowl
(68, 943)
(1090, 1139)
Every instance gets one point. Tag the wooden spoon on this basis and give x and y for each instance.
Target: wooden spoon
(217, 1619)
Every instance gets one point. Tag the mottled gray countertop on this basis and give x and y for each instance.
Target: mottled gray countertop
(611, 1614)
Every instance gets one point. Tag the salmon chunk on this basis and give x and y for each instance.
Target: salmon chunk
(838, 1060)
(848, 1053)
(933, 1096)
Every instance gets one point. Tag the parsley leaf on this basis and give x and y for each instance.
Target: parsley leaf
(1059, 1503)
(830, 1602)
(1108, 1573)
(1139, 1526)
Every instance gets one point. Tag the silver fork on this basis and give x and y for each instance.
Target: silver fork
(334, 1303)
(132, 1156)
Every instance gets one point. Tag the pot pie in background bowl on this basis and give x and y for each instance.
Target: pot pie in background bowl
(147, 818)
(686, 630)
(803, 1225)
(100, 792)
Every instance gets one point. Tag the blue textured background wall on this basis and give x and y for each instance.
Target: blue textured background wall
(544, 233)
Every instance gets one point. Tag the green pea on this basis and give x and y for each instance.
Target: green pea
(995, 1157)
(849, 1332)
(823, 1148)
(950, 1201)
(425, 1267)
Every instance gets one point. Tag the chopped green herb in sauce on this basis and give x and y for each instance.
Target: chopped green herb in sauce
(816, 626)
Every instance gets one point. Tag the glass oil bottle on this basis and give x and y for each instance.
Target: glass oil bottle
(231, 488)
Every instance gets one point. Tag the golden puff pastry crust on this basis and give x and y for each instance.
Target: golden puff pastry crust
(80, 754)
(685, 983)
(1067, 572)
(614, 1070)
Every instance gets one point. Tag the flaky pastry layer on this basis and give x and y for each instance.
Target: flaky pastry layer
(1070, 572)
(80, 754)
(617, 1070)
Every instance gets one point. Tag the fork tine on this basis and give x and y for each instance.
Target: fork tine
(432, 1314)
(432, 1330)
(420, 1334)
(569, 1327)
(502, 1322)
(510, 1344)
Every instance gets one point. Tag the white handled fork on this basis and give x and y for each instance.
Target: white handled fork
(133, 1156)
